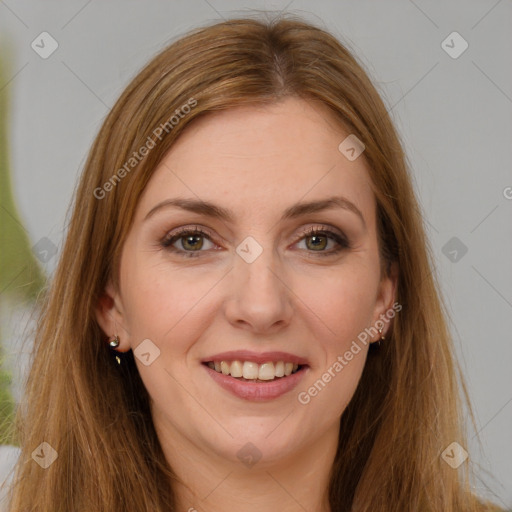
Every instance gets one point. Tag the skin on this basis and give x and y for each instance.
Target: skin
(256, 161)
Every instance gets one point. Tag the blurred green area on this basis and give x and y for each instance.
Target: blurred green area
(7, 409)
(21, 276)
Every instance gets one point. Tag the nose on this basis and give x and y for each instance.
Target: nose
(259, 298)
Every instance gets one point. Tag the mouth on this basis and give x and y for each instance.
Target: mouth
(256, 377)
(251, 371)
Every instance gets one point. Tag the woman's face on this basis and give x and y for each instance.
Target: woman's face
(256, 287)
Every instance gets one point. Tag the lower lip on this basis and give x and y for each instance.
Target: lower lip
(257, 391)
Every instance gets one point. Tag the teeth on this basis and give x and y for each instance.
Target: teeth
(266, 371)
(224, 367)
(236, 369)
(251, 371)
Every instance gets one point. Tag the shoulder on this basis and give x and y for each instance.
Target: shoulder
(8, 458)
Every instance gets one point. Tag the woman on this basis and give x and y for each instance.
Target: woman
(244, 316)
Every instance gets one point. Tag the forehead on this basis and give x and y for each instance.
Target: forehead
(267, 157)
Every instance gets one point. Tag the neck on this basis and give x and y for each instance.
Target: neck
(207, 481)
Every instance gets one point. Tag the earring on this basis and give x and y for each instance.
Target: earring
(382, 338)
(114, 342)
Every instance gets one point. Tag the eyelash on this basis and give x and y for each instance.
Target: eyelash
(169, 239)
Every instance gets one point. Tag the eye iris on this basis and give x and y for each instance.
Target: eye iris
(316, 245)
(190, 240)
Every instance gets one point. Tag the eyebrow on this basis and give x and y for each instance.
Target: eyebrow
(224, 214)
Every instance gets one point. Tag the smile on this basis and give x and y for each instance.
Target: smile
(252, 371)
(256, 376)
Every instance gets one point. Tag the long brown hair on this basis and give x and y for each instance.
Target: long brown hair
(406, 409)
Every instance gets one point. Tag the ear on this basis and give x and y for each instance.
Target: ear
(110, 316)
(384, 307)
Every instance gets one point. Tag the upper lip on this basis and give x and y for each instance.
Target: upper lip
(256, 357)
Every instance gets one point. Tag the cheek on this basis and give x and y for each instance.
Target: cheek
(342, 302)
(331, 390)
(343, 310)
(162, 302)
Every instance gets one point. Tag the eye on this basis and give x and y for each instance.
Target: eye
(190, 242)
(317, 240)
(186, 241)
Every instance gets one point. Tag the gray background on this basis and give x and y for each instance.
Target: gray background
(454, 116)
